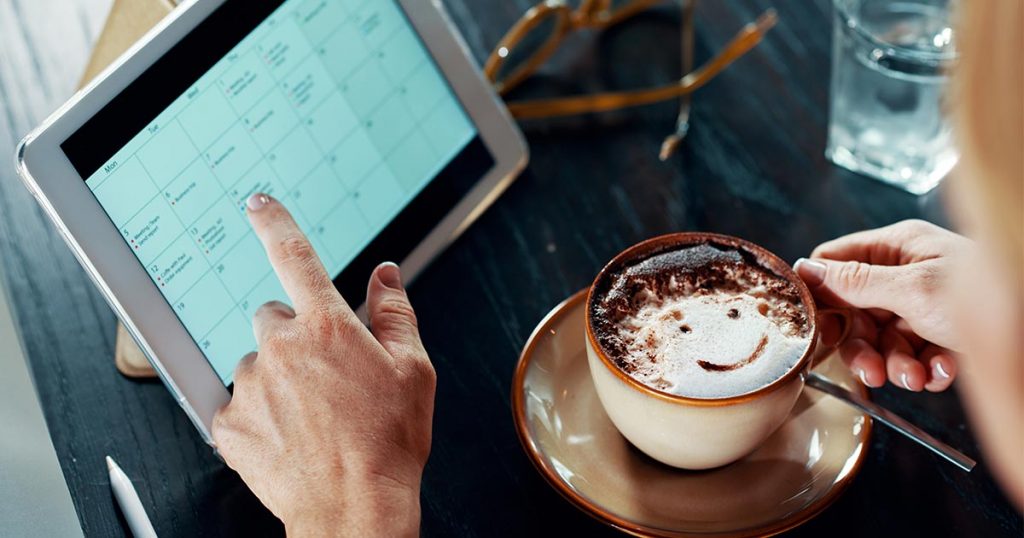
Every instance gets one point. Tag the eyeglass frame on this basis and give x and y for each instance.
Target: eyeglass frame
(598, 14)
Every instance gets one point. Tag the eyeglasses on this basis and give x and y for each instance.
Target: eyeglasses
(538, 34)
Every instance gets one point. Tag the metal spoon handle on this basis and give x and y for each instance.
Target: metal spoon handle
(892, 420)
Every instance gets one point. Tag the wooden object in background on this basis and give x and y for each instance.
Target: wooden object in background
(127, 22)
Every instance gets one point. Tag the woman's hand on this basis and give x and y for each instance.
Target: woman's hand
(893, 276)
(330, 423)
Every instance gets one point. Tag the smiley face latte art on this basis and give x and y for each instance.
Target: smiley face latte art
(701, 321)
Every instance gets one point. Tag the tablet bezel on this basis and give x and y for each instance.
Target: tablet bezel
(124, 283)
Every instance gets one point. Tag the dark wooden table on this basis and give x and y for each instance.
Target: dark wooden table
(752, 166)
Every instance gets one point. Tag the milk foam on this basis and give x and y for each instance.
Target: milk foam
(686, 345)
(712, 327)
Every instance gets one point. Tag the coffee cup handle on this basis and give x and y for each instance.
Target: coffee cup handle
(846, 317)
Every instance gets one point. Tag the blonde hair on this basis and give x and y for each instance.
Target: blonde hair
(988, 119)
(988, 116)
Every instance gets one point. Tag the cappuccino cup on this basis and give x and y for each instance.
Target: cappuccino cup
(698, 345)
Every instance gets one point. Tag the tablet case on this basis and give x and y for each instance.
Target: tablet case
(127, 22)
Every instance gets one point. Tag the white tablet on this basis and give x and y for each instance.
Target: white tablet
(365, 117)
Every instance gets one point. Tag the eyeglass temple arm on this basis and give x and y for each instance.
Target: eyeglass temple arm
(672, 141)
(745, 40)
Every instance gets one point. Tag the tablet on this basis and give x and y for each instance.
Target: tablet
(366, 118)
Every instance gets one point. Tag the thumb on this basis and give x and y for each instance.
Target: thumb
(392, 319)
(852, 283)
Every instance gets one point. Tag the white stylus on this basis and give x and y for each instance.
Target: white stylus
(128, 500)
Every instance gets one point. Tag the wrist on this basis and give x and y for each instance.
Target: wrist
(376, 506)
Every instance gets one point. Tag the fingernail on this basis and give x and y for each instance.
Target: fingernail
(390, 275)
(863, 377)
(812, 271)
(257, 201)
(939, 370)
(905, 381)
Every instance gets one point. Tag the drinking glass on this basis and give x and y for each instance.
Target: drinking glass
(889, 64)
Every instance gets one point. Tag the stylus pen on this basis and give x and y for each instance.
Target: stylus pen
(128, 500)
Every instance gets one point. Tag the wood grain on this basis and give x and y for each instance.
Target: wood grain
(752, 166)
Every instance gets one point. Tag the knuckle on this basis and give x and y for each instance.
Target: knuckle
(295, 247)
(277, 344)
(914, 228)
(243, 374)
(926, 279)
(221, 425)
(864, 328)
(324, 330)
(427, 373)
(917, 225)
(270, 307)
(420, 373)
(395, 312)
(328, 325)
(264, 309)
(246, 369)
(853, 276)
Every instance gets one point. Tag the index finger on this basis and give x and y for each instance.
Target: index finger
(292, 256)
(896, 244)
(869, 246)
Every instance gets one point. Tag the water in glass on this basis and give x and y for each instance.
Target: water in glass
(888, 79)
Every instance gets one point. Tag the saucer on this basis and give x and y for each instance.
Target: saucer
(801, 469)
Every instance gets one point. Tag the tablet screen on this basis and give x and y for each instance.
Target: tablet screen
(334, 107)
